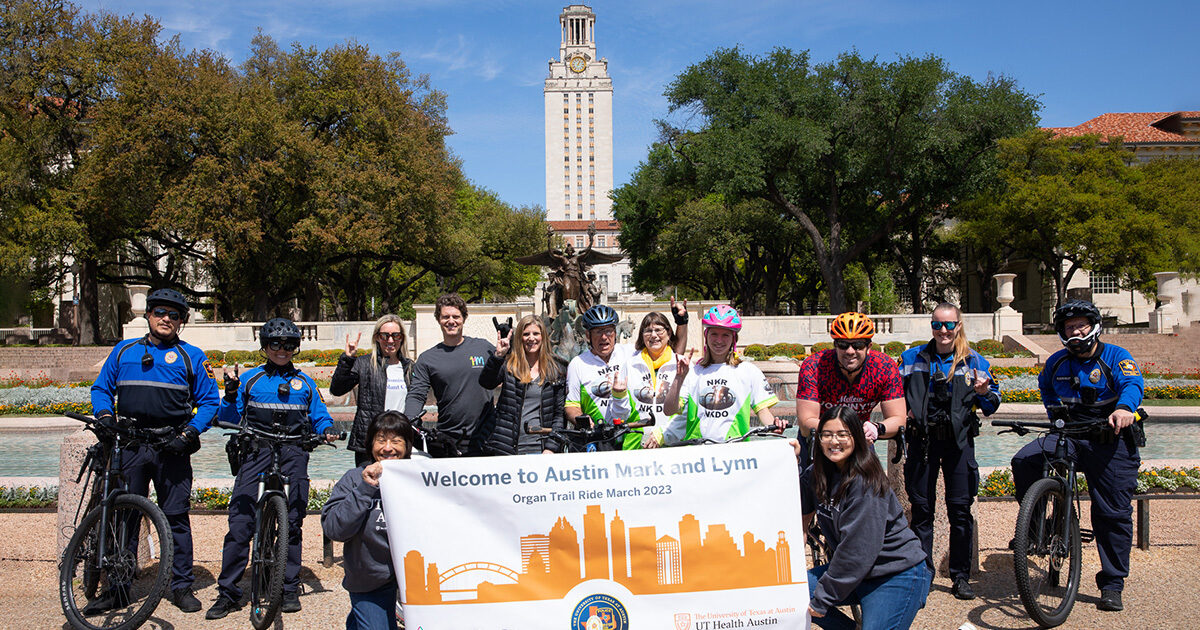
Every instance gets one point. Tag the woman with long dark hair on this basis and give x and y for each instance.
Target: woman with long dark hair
(381, 377)
(874, 558)
(533, 391)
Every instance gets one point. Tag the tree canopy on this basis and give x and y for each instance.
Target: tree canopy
(851, 149)
(301, 178)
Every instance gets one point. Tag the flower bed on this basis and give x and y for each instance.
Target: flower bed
(202, 498)
(1160, 480)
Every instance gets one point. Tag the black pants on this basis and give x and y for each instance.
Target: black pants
(172, 477)
(1111, 472)
(294, 465)
(961, 473)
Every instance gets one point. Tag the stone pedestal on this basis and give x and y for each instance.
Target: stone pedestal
(70, 458)
(1170, 297)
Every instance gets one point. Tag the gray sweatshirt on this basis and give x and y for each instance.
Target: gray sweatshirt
(868, 538)
(453, 373)
(353, 515)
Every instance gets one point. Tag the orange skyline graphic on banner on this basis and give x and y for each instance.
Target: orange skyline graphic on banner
(636, 557)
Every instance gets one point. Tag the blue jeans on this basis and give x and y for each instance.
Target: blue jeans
(373, 610)
(887, 602)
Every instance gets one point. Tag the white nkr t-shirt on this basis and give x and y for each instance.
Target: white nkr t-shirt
(587, 380)
(721, 399)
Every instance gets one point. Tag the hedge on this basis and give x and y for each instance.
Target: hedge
(1163, 479)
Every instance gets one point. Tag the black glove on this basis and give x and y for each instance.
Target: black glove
(231, 387)
(107, 421)
(679, 319)
(331, 434)
(186, 443)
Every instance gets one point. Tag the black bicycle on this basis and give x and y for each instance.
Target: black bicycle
(269, 547)
(767, 430)
(599, 437)
(115, 569)
(1048, 539)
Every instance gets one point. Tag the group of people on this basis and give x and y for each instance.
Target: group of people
(876, 558)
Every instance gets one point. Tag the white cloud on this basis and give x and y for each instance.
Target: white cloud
(457, 55)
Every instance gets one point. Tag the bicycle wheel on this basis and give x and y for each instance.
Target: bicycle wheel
(127, 582)
(268, 562)
(1047, 545)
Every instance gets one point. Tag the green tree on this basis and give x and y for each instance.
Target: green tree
(1070, 204)
(851, 149)
(745, 251)
(58, 69)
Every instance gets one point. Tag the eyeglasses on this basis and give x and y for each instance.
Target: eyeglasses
(857, 344)
(166, 312)
(655, 330)
(606, 331)
(947, 325)
(830, 436)
(282, 345)
(396, 336)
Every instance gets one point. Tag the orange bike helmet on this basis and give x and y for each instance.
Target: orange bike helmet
(852, 326)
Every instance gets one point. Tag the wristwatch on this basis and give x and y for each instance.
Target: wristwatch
(880, 429)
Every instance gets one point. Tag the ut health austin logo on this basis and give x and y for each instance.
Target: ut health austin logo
(599, 612)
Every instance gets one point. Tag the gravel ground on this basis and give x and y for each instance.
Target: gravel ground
(1158, 594)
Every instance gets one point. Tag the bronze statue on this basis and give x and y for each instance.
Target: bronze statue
(568, 278)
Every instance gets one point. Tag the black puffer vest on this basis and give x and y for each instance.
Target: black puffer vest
(505, 429)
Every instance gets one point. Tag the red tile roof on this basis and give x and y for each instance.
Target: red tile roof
(1141, 127)
(582, 226)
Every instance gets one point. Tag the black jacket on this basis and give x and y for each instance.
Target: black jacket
(502, 435)
(372, 392)
(914, 371)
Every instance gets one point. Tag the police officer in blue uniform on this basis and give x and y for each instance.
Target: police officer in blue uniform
(1094, 381)
(157, 380)
(945, 382)
(275, 392)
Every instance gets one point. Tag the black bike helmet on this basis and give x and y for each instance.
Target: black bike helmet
(279, 328)
(1077, 308)
(599, 315)
(170, 298)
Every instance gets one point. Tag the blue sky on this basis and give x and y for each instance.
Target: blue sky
(1081, 59)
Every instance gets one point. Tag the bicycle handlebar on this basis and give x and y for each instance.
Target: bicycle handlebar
(124, 425)
(302, 438)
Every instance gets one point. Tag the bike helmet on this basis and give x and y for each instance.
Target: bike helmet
(851, 325)
(722, 316)
(279, 328)
(599, 315)
(168, 297)
(1077, 308)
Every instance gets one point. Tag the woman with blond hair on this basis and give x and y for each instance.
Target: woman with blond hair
(717, 398)
(381, 377)
(533, 391)
(945, 381)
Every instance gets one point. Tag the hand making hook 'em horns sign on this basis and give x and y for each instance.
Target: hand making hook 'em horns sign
(352, 346)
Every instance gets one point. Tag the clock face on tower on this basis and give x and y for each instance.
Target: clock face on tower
(578, 64)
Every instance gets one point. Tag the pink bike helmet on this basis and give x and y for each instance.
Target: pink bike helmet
(722, 316)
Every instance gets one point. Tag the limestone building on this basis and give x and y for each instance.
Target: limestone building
(578, 96)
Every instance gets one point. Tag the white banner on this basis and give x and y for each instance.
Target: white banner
(691, 538)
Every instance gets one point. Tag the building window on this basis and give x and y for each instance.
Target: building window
(604, 282)
(578, 241)
(1103, 283)
(601, 241)
(625, 283)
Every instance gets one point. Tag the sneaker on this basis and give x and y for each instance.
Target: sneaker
(1110, 600)
(291, 602)
(185, 600)
(108, 600)
(223, 606)
(962, 589)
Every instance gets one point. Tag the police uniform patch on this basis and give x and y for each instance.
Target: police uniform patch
(1128, 367)
(297, 384)
(171, 357)
(1094, 377)
(208, 368)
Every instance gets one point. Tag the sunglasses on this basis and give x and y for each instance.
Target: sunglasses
(282, 345)
(396, 336)
(857, 344)
(939, 325)
(166, 312)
